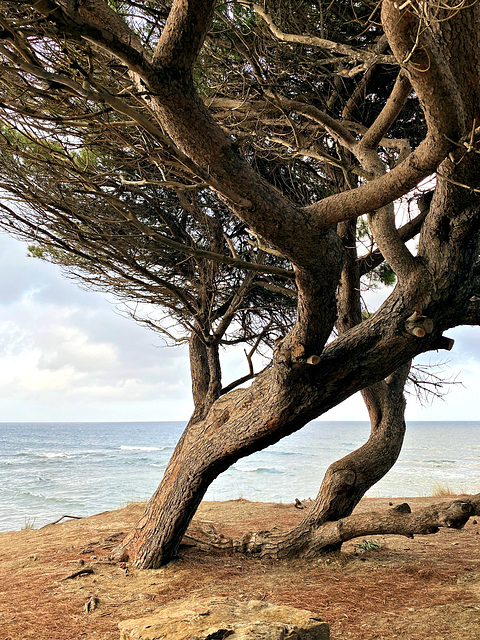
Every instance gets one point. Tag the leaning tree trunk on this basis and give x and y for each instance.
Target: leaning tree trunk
(236, 426)
(348, 479)
(245, 421)
(283, 399)
(155, 539)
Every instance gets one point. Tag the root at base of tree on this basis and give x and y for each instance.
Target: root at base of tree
(309, 540)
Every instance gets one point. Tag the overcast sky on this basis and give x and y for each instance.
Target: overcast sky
(69, 355)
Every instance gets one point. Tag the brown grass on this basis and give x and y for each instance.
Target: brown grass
(443, 491)
(422, 589)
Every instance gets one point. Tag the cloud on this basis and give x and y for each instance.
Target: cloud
(65, 352)
(70, 346)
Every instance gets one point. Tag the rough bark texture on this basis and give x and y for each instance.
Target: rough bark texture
(206, 374)
(331, 535)
(312, 370)
(293, 392)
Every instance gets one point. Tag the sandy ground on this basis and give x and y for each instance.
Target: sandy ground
(426, 588)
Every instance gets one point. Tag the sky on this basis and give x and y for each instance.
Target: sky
(67, 354)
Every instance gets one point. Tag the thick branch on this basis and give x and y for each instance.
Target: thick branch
(472, 313)
(408, 231)
(433, 82)
(183, 34)
(96, 22)
(389, 113)
(332, 534)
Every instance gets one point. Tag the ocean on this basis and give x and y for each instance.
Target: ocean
(48, 470)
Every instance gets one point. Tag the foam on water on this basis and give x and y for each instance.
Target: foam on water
(47, 470)
(125, 448)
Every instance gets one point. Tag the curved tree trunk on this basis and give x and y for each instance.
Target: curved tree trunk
(239, 423)
(209, 445)
(292, 393)
(347, 480)
(155, 539)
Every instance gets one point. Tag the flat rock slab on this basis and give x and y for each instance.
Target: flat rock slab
(219, 618)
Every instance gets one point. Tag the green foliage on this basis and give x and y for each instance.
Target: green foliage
(386, 275)
(102, 193)
(363, 230)
(368, 545)
(34, 251)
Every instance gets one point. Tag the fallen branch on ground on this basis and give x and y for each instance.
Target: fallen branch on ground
(314, 540)
(59, 519)
(81, 572)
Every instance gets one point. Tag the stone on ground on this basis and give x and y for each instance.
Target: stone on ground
(219, 618)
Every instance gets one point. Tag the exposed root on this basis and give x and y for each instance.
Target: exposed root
(311, 540)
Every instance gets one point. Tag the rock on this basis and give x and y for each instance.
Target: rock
(91, 604)
(402, 508)
(219, 618)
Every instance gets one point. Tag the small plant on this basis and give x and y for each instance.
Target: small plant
(29, 524)
(368, 545)
(441, 491)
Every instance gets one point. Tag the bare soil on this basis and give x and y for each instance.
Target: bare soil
(422, 589)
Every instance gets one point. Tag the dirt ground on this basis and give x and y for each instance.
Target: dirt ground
(422, 589)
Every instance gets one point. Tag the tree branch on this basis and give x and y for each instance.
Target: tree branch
(183, 34)
(313, 41)
(332, 534)
(128, 214)
(387, 116)
(444, 114)
(104, 97)
(94, 21)
(408, 231)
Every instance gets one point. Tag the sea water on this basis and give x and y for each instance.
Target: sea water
(48, 470)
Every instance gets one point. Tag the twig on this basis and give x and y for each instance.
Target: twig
(80, 572)
(57, 521)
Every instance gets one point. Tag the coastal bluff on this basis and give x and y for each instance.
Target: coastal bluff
(57, 582)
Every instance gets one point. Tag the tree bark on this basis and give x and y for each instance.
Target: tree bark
(348, 479)
(286, 397)
(332, 534)
(155, 539)
(206, 374)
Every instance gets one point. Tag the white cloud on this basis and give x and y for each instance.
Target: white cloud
(67, 354)
(69, 345)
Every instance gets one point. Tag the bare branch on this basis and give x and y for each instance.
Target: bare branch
(444, 117)
(376, 132)
(328, 45)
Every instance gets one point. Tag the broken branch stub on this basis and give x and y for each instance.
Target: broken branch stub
(418, 325)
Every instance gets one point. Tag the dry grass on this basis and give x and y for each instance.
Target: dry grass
(443, 491)
(422, 589)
